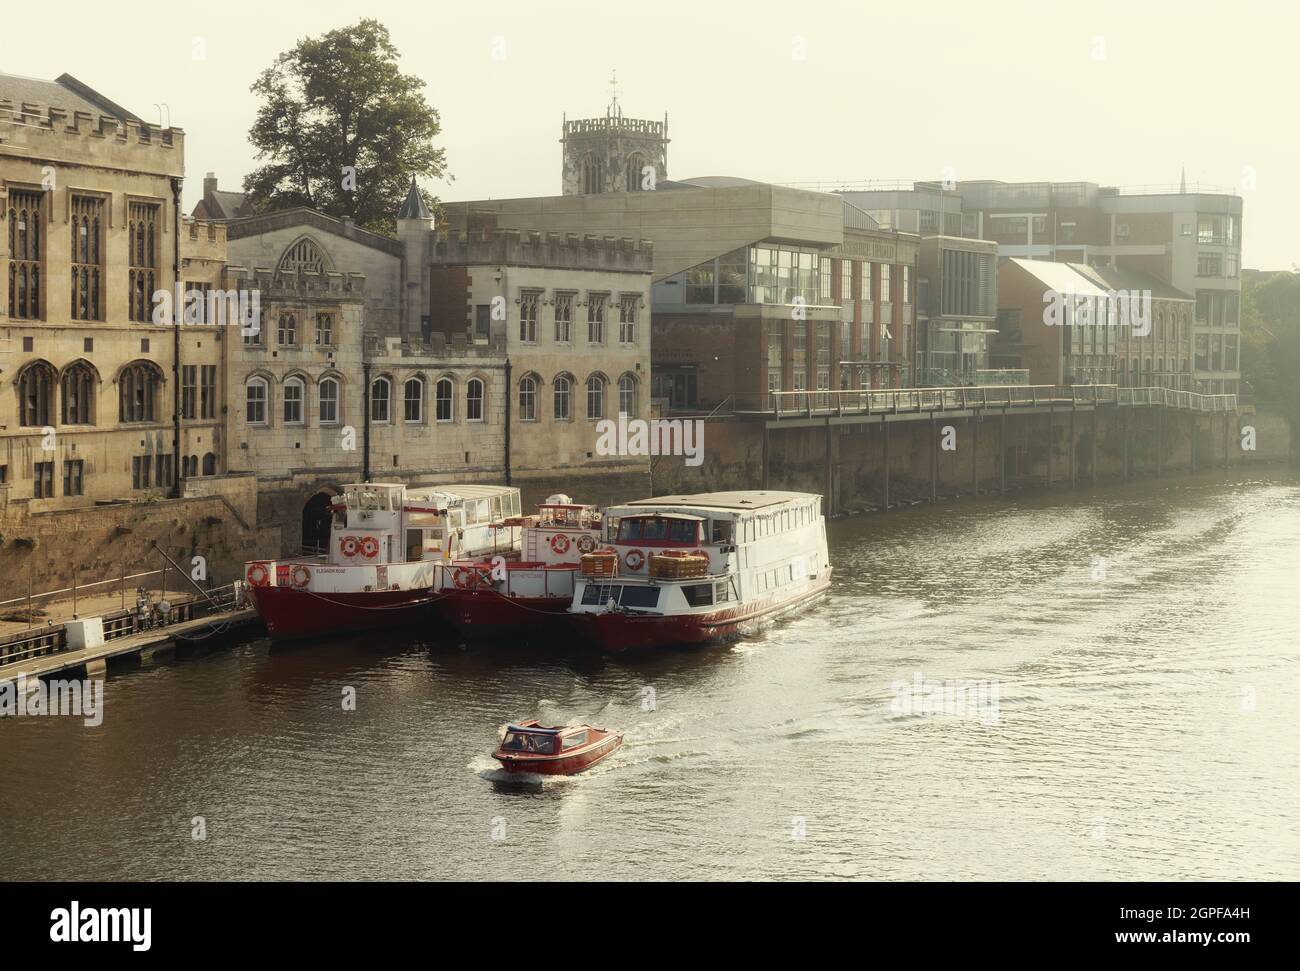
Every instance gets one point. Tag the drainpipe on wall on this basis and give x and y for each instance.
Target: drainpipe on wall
(176, 341)
(365, 404)
(507, 450)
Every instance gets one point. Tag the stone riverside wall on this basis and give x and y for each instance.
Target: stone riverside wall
(797, 457)
(234, 518)
(47, 549)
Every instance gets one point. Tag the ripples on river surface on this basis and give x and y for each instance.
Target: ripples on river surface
(1143, 642)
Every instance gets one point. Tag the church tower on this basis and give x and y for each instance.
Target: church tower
(613, 153)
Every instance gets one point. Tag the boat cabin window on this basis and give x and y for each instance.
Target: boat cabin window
(528, 742)
(574, 740)
(658, 529)
(371, 500)
(629, 596)
(496, 507)
(699, 594)
(721, 531)
(721, 591)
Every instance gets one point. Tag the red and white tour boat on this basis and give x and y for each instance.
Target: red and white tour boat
(386, 542)
(693, 568)
(496, 596)
(530, 747)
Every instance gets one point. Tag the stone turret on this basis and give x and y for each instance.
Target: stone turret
(415, 233)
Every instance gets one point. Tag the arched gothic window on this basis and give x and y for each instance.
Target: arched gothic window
(474, 400)
(596, 396)
(563, 397)
(592, 175)
(35, 395)
(303, 255)
(76, 392)
(627, 395)
(635, 164)
(528, 398)
(139, 384)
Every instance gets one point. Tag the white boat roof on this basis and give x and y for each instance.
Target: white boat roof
(456, 490)
(732, 501)
(462, 491)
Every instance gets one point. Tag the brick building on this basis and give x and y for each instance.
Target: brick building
(1148, 345)
(1187, 238)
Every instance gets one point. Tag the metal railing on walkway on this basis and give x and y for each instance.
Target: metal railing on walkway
(926, 400)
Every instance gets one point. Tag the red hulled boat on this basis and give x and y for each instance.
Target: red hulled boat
(385, 545)
(532, 748)
(497, 597)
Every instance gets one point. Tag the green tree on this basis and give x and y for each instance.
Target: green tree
(1270, 346)
(338, 104)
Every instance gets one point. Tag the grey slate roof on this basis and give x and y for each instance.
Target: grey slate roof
(64, 92)
(414, 207)
(1116, 278)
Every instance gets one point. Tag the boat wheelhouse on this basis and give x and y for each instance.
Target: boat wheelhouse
(386, 542)
(497, 596)
(692, 568)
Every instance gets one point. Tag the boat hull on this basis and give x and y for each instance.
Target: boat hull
(290, 613)
(569, 764)
(616, 632)
(478, 614)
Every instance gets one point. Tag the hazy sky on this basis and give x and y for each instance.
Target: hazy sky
(1115, 93)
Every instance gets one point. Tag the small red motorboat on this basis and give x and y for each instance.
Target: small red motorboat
(531, 747)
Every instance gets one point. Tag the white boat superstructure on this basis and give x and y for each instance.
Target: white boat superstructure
(687, 568)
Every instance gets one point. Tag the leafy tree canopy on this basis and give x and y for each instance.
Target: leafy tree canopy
(1270, 353)
(337, 104)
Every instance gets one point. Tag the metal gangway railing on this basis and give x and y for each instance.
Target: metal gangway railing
(971, 398)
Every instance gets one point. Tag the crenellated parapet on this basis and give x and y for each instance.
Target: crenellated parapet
(300, 286)
(511, 247)
(616, 125)
(52, 135)
(46, 134)
(437, 345)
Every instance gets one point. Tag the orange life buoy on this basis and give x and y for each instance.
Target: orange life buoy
(461, 577)
(348, 544)
(258, 575)
(634, 559)
(300, 575)
(700, 553)
(370, 547)
(560, 543)
(586, 544)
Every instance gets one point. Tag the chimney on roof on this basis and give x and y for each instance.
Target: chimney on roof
(209, 183)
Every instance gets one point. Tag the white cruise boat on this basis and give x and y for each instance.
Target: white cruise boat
(693, 568)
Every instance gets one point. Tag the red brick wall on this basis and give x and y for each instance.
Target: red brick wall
(1018, 290)
(710, 342)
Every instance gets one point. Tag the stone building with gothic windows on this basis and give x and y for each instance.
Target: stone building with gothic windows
(431, 359)
(319, 401)
(112, 426)
(95, 403)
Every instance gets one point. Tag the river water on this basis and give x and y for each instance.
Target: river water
(1122, 675)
